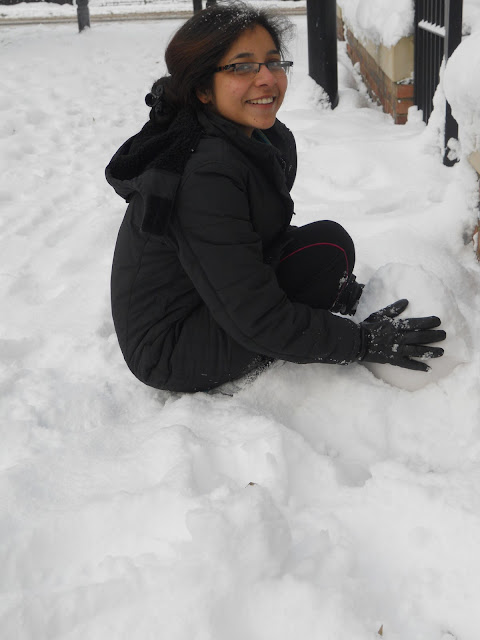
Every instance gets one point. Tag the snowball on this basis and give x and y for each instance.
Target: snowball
(427, 295)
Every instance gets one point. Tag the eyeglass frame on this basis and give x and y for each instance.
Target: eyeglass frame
(234, 65)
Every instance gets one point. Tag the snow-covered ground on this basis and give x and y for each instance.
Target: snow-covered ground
(315, 502)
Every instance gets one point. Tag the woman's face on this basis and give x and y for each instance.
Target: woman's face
(250, 101)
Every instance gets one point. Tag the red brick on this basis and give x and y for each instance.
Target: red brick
(404, 90)
(403, 106)
(340, 29)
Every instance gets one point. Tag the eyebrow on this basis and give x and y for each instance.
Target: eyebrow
(246, 54)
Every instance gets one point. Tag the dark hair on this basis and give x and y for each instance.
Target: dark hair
(198, 46)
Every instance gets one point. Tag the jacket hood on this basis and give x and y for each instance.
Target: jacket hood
(165, 149)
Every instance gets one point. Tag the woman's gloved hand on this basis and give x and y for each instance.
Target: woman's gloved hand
(392, 340)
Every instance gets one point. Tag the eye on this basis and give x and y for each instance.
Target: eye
(275, 65)
(244, 67)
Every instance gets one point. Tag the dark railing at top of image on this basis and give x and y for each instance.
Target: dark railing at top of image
(438, 31)
(322, 46)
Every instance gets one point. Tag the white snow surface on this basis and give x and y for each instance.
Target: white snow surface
(312, 501)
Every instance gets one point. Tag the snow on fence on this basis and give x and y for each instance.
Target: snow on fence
(438, 31)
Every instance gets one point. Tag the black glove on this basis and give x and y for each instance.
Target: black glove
(386, 339)
(349, 297)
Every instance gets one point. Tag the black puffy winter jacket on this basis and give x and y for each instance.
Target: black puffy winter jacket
(195, 298)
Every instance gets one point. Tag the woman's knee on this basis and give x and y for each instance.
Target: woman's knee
(328, 232)
(319, 258)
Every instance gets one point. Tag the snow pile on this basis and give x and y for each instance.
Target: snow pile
(462, 89)
(37, 10)
(28, 10)
(314, 501)
(379, 21)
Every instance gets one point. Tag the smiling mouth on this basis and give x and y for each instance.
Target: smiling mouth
(262, 101)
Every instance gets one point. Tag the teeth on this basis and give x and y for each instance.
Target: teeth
(261, 101)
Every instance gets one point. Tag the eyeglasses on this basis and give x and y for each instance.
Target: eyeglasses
(247, 69)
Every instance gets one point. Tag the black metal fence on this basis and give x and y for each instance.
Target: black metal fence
(438, 31)
(322, 46)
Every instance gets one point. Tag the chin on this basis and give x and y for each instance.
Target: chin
(266, 124)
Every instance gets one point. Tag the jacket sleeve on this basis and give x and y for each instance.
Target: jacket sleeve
(222, 254)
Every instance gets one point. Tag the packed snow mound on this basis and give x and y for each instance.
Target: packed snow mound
(428, 295)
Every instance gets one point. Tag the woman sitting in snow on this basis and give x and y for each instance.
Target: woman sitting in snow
(209, 280)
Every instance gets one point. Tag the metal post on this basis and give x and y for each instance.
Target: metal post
(453, 25)
(453, 37)
(322, 46)
(83, 14)
(197, 5)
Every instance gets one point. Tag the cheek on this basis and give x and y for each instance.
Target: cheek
(283, 84)
(234, 92)
(227, 91)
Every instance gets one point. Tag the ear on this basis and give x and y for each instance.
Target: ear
(204, 95)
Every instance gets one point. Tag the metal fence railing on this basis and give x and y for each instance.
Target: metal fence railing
(438, 31)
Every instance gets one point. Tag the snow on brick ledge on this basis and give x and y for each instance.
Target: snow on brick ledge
(386, 70)
(379, 22)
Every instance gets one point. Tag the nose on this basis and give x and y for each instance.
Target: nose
(265, 77)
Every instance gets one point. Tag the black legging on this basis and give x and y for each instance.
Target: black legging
(316, 263)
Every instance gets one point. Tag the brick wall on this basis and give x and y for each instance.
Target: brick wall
(395, 97)
(340, 26)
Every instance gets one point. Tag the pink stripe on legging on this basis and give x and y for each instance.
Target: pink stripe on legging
(318, 244)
